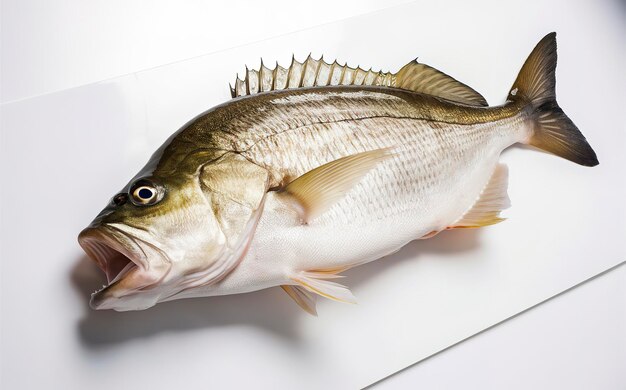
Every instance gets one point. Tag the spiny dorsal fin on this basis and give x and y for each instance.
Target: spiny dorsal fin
(492, 200)
(318, 73)
(309, 73)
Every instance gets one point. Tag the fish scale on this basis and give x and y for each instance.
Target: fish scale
(401, 199)
(426, 146)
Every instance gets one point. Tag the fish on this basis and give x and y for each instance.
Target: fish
(316, 168)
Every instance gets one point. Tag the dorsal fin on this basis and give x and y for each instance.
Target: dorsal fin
(317, 73)
(310, 73)
(428, 80)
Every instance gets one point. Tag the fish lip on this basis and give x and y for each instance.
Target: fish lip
(90, 238)
(111, 251)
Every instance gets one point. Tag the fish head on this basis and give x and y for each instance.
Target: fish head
(172, 231)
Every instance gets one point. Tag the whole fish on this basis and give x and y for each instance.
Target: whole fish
(316, 168)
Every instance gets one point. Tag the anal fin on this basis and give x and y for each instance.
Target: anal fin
(492, 200)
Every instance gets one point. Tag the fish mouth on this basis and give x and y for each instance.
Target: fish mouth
(116, 254)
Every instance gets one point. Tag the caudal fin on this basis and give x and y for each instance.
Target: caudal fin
(553, 131)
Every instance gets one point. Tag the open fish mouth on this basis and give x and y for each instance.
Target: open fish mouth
(114, 252)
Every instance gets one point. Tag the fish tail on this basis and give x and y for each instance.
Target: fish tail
(551, 129)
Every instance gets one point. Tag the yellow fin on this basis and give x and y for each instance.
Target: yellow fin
(413, 76)
(302, 297)
(492, 200)
(317, 190)
(318, 283)
(428, 80)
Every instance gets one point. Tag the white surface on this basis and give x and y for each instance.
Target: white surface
(64, 154)
(576, 341)
(53, 45)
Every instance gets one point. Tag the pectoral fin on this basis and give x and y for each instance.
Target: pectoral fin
(317, 190)
(318, 283)
(303, 298)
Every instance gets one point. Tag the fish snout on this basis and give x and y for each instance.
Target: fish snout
(111, 255)
(130, 277)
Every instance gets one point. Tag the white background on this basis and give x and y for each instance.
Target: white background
(64, 154)
(53, 45)
(576, 341)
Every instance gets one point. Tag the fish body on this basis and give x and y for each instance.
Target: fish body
(439, 167)
(289, 187)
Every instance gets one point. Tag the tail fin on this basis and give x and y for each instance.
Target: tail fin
(553, 131)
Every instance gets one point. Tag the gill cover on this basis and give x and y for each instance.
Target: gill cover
(235, 189)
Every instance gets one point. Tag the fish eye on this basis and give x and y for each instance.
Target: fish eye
(145, 194)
